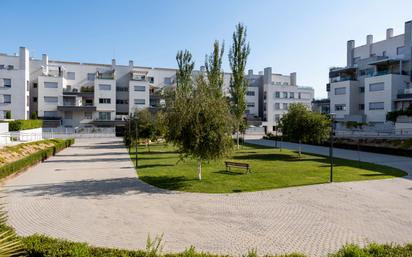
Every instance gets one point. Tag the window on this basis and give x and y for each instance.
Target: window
(362, 90)
(122, 101)
(140, 88)
(400, 50)
(6, 99)
(50, 84)
(105, 87)
(50, 99)
(340, 91)
(361, 107)
(89, 102)
(34, 85)
(139, 101)
(250, 104)
(292, 95)
(68, 115)
(299, 95)
(1, 66)
(7, 82)
(277, 106)
(285, 94)
(104, 116)
(376, 106)
(340, 107)
(384, 53)
(91, 76)
(285, 83)
(168, 81)
(71, 75)
(250, 93)
(277, 94)
(151, 79)
(104, 100)
(88, 115)
(284, 106)
(50, 114)
(34, 99)
(10, 67)
(122, 89)
(277, 117)
(376, 87)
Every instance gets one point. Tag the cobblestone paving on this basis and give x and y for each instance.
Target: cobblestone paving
(89, 192)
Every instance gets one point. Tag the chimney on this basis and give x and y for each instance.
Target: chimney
(369, 39)
(130, 64)
(293, 79)
(113, 63)
(389, 33)
(24, 58)
(45, 63)
(250, 72)
(349, 52)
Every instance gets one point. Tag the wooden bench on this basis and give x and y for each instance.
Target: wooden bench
(239, 165)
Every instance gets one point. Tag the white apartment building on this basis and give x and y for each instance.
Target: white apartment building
(73, 94)
(269, 96)
(375, 81)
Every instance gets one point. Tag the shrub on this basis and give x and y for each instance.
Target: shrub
(18, 125)
(34, 158)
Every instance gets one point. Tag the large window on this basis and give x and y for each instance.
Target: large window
(105, 87)
(122, 101)
(340, 107)
(284, 106)
(285, 94)
(277, 106)
(104, 115)
(50, 84)
(292, 95)
(250, 93)
(122, 89)
(51, 99)
(50, 114)
(376, 105)
(104, 100)
(277, 94)
(376, 87)
(140, 88)
(250, 104)
(71, 75)
(340, 90)
(7, 82)
(139, 101)
(91, 76)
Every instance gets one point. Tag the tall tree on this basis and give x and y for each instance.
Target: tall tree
(238, 54)
(213, 65)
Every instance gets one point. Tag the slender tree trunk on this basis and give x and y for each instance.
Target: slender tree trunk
(237, 136)
(300, 148)
(199, 169)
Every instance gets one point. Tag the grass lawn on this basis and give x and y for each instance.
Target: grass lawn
(271, 168)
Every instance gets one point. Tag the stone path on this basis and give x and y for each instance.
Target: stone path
(89, 192)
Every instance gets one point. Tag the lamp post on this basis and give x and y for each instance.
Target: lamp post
(332, 132)
(137, 140)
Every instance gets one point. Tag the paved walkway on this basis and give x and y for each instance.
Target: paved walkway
(89, 192)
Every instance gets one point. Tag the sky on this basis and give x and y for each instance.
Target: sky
(306, 37)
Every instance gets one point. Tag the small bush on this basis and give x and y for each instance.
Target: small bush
(18, 125)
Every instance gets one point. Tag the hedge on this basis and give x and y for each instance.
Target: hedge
(17, 125)
(34, 158)
(44, 246)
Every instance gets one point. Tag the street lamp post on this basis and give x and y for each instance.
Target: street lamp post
(137, 140)
(332, 132)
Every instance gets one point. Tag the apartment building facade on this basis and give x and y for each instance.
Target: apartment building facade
(375, 81)
(74, 94)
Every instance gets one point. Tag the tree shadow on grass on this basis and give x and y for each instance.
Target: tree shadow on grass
(166, 182)
(230, 173)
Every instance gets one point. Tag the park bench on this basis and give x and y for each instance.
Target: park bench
(239, 165)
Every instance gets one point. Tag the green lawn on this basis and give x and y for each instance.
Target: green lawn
(271, 168)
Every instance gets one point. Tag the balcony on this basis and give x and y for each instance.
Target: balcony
(340, 79)
(53, 71)
(138, 75)
(105, 74)
(69, 106)
(405, 94)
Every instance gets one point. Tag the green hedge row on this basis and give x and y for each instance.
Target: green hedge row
(43, 246)
(17, 125)
(34, 158)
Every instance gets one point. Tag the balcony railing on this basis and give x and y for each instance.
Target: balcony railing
(340, 79)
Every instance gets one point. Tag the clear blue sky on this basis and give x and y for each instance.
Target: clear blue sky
(303, 36)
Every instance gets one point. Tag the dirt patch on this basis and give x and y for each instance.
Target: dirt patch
(14, 153)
